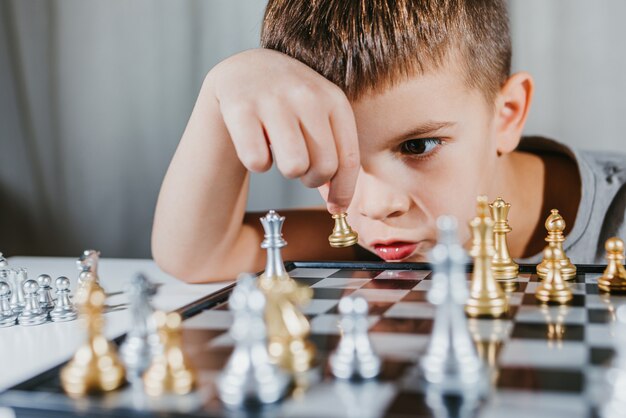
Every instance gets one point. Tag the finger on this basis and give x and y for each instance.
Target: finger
(283, 132)
(342, 185)
(247, 135)
(323, 160)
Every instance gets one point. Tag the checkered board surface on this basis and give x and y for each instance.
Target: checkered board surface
(545, 361)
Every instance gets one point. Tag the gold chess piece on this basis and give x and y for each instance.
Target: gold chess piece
(555, 224)
(170, 371)
(613, 279)
(486, 296)
(343, 235)
(95, 367)
(553, 288)
(502, 265)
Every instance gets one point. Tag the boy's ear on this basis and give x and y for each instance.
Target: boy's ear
(512, 107)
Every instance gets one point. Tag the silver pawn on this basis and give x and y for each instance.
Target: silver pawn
(354, 357)
(249, 374)
(88, 263)
(142, 342)
(20, 275)
(64, 310)
(7, 317)
(46, 302)
(451, 362)
(32, 314)
(272, 224)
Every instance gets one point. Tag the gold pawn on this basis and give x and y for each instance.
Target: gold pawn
(553, 288)
(613, 279)
(503, 266)
(343, 235)
(170, 371)
(95, 367)
(486, 296)
(555, 225)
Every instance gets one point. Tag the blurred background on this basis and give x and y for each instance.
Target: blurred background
(95, 94)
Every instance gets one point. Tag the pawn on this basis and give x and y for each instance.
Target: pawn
(45, 292)
(32, 314)
(3, 262)
(555, 225)
(7, 317)
(343, 235)
(553, 288)
(354, 357)
(64, 309)
(169, 371)
(613, 279)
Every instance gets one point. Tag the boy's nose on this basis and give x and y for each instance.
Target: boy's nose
(379, 200)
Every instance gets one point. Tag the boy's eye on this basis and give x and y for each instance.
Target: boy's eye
(419, 146)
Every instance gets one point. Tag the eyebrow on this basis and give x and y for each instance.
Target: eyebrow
(423, 129)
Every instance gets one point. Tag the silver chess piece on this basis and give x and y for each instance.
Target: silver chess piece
(273, 241)
(3, 262)
(142, 342)
(20, 275)
(451, 363)
(354, 357)
(46, 302)
(87, 265)
(249, 375)
(32, 314)
(7, 317)
(64, 309)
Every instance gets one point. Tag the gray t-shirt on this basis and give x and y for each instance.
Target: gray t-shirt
(602, 205)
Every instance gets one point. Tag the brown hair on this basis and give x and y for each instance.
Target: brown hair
(368, 45)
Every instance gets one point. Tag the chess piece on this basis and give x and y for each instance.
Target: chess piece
(20, 275)
(44, 293)
(502, 265)
(486, 296)
(95, 367)
(87, 265)
(7, 317)
(354, 356)
(142, 342)
(3, 262)
(613, 279)
(555, 224)
(343, 235)
(64, 309)
(451, 362)
(32, 314)
(553, 288)
(249, 375)
(169, 371)
(273, 242)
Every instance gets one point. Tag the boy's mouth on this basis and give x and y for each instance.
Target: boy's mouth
(394, 251)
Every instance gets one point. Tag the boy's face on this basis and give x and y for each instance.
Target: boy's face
(428, 148)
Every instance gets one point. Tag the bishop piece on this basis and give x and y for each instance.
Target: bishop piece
(555, 225)
(613, 279)
(343, 235)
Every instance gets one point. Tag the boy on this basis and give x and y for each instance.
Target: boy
(398, 112)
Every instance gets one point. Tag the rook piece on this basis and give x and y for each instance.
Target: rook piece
(20, 275)
(142, 341)
(46, 302)
(555, 224)
(169, 370)
(249, 374)
(64, 309)
(486, 296)
(503, 266)
(343, 235)
(7, 317)
(354, 357)
(553, 288)
(95, 367)
(32, 314)
(451, 362)
(613, 279)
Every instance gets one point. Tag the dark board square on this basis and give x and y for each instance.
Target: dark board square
(601, 356)
(403, 326)
(325, 343)
(592, 289)
(530, 299)
(538, 331)
(391, 284)
(416, 296)
(415, 405)
(330, 293)
(599, 316)
(559, 380)
(355, 274)
(308, 281)
(374, 308)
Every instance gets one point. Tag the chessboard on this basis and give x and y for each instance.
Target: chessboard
(543, 360)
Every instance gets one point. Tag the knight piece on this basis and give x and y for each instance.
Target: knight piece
(249, 375)
(64, 309)
(95, 367)
(502, 265)
(486, 296)
(342, 235)
(553, 288)
(613, 279)
(555, 225)
(451, 362)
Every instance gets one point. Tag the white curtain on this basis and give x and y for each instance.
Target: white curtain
(94, 95)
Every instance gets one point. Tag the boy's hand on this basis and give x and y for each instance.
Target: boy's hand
(275, 105)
